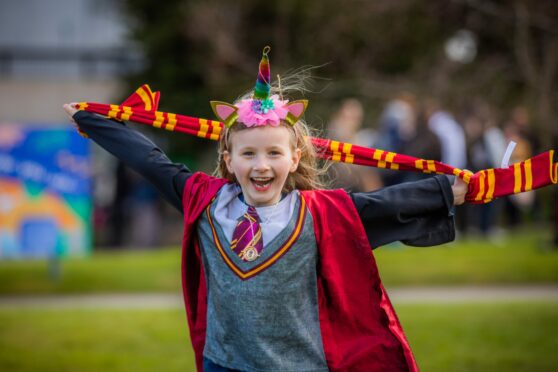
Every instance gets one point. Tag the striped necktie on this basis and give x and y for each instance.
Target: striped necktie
(247, 240)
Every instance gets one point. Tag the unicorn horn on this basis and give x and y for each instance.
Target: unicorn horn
(263, 83)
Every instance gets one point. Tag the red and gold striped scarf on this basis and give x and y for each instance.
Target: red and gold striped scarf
(484, 186)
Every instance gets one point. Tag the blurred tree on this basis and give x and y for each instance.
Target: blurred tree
(536, 47)
(528, 33)
(200, 50)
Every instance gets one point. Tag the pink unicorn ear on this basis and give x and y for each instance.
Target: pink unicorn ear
(296, 110)
(225, 112)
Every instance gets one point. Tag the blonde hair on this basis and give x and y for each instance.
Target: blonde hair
(307, 176)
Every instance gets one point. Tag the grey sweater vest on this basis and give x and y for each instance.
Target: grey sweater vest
(263, 315)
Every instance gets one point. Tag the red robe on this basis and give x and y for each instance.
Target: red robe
(359, 328)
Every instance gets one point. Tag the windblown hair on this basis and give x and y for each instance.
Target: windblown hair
(308, 175)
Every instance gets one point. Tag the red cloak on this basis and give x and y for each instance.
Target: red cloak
(359, 328)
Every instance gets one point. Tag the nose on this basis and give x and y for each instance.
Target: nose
(260, 164)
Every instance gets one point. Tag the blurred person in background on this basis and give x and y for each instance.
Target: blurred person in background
(396, 122)
(452, 141)
(145, 207)
(369, 178)
(450, 134)
(518, 129)
(404, 129)
(118, 211)
(419, 141)
(134, 214)
(343, 126)
(486, 145)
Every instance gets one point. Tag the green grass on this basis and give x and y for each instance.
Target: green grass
(96, 340)
(449, 338)
(104, 271)
(518, 259)
(483, 337)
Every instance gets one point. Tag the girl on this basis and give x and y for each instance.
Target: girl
(279, 275)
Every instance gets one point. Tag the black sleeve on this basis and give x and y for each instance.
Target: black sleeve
(415, 213)
(137, 152)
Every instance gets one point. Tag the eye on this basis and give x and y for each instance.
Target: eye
(275, 153)
(248, 153)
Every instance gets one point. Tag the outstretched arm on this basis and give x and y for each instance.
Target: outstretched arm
(136, 151)
(416, 213)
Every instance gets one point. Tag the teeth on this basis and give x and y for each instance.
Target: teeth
(261, 181)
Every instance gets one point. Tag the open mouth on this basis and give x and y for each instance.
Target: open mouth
(261, 183)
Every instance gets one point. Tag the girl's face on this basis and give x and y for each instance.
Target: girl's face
(261, 158)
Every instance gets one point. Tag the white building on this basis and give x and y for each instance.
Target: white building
(57, 51)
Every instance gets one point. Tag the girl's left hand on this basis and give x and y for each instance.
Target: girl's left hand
(459, 189)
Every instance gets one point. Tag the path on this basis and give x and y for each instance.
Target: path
(398, 296)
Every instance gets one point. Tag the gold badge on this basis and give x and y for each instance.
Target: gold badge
(250, 254)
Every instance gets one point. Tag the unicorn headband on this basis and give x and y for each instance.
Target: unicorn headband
(261, 109)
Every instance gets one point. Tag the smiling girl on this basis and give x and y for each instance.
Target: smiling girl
(278, 274)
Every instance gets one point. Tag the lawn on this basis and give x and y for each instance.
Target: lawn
(520, 258)
(105, 271)
(483, 337)
(447, 337)
(516, 259)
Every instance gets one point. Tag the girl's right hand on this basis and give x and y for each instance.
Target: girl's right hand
(70, 109)
(459, 189)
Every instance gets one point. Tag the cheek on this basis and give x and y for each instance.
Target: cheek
(286, 168)
(239, 167)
